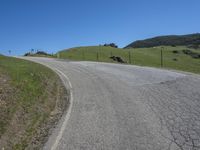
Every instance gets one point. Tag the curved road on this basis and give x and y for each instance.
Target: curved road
(123, 107)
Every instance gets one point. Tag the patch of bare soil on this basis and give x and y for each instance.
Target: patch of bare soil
(61, 96)
(7, 93)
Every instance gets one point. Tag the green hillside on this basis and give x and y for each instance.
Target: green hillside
(92, 53)
(173, 57)
(171, 40)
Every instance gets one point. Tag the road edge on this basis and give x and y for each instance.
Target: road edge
(68, 113)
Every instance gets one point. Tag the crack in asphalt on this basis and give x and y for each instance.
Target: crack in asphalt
(179, 113)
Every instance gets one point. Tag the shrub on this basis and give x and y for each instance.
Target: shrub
(175, 51)
(111, 45)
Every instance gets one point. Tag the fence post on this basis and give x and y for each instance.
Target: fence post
(161, 57)
(129, 55)
(97, 56)
(83, 55)
(58, 55)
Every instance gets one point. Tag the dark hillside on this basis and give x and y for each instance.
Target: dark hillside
(170, 40)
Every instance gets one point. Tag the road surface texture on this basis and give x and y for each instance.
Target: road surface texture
(123, 107)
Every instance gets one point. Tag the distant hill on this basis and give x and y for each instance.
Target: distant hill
(170, 40)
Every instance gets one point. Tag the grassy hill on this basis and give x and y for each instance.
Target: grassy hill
(91, 53)
(173, 57)
(171, 40)
(31, 99)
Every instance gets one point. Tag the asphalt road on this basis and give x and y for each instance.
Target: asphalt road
(123, 107)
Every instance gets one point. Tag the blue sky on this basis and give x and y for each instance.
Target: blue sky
(53, 25)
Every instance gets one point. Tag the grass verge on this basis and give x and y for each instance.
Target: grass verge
(32, 100)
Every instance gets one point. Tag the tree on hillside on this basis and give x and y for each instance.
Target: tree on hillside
(111, 45)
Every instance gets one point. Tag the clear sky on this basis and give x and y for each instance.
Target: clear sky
(53, 25)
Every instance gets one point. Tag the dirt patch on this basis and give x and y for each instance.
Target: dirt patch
(61, 96)
(7, 95)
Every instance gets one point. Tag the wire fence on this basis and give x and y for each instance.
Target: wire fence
(179, 58)
(121, 56)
